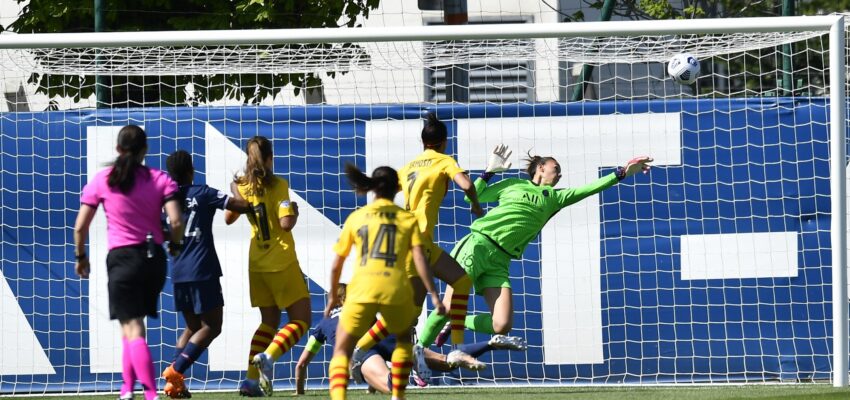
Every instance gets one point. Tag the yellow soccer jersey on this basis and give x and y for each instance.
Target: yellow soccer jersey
(272, 248)
(383, 234)
(424, 182)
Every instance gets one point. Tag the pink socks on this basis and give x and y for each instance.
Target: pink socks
(127, 368)
(140, 358)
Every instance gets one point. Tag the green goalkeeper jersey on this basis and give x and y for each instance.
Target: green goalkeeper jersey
(524, 208)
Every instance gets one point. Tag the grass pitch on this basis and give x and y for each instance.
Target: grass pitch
(713, 392)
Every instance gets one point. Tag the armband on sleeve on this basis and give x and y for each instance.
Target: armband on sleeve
(313, 345)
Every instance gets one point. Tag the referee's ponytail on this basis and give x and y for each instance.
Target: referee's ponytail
(384, 181)
(132, 146)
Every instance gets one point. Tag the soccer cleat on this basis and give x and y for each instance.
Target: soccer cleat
(250, 388)
(417, 380)
(266, 367)
(459, 359)
(126, 396)
(355, 365)
(502, 342)
(175, 386)
(443, 336)
(419, 364)
(355, 370)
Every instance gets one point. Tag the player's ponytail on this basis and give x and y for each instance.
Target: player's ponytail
(534, 162)
(434, 133)
(384, 181)
(132, 145)
(255, 175)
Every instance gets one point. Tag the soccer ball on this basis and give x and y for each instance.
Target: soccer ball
(683, 68)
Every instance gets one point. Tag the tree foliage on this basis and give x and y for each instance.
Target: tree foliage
(55, 16)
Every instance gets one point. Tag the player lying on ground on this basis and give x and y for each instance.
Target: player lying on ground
(374, 368)
(524, 207)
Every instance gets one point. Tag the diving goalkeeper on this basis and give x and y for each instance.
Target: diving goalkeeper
(503, 233)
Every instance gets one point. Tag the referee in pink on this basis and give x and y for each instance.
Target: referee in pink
(133, 197)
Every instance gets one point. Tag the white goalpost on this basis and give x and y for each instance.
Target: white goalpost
(723, 264)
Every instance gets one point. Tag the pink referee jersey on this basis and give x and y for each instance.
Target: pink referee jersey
(130, 216)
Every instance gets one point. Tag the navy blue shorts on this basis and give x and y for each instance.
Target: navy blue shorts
(384, 349)
(135, 281)
(198, 297)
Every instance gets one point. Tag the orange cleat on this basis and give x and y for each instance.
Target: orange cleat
(174, 386)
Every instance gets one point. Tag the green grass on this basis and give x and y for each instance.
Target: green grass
(716, 392)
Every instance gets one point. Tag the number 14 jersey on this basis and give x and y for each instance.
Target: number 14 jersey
(272, 248)
(382, 234)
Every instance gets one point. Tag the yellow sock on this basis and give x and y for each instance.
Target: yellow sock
(338, 373)
(402, 361)
(262, 337)
(376, 333)
(286, 337)
(458, 306)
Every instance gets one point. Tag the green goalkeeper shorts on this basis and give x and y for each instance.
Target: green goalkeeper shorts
(486, 264)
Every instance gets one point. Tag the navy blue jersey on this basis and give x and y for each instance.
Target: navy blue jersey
(198, 261)
(325, 331)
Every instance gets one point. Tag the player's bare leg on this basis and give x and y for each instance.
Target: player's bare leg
(376, 373)
(500, 301)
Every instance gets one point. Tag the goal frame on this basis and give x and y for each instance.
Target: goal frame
(833, 24)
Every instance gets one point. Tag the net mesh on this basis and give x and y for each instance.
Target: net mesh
(713, 268)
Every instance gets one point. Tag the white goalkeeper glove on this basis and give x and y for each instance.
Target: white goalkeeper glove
(499, 159)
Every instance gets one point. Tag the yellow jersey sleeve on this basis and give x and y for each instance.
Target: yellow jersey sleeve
(346, 237)
(284, 207)
(450, 167)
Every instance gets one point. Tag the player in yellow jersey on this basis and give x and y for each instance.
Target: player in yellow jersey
(424, 181)
(383, 234)
(274, 275)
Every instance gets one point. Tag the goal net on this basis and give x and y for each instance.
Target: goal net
(715, 267)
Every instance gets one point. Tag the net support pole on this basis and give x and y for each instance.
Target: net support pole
(457, 75)
(787, 62)
(838, 235)
(587, 70)
(99, 80)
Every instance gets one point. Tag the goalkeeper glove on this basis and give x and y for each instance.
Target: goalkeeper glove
(499, 159)
(635, 165)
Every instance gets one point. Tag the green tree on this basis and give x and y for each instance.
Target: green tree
(55, 16)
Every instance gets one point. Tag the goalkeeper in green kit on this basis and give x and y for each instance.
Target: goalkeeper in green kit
(503, 233)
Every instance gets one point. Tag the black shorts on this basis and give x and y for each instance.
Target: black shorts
(198, 297)
(135, 281)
